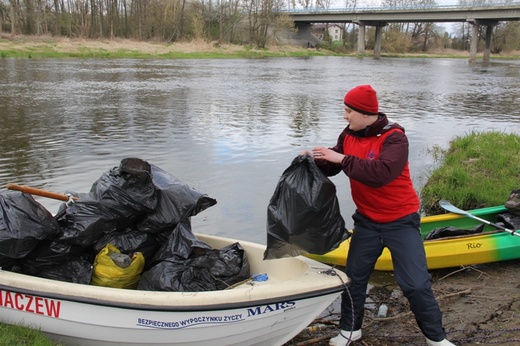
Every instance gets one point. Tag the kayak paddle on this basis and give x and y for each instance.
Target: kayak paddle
(451, 208)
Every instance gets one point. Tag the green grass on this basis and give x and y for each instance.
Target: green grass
(85, 53)
(120, 54)
(44, 47)
(477, 170)
(23, 336)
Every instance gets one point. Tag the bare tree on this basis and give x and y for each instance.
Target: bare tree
(14, 8)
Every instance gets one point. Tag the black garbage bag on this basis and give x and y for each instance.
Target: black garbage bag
(10, 264)
(115, 202)
(449, 231)
(76, 270)
(127, 189)
(130, 241)
(509, 220)
(176, 201)
(181, 243)
(210, 271)
(50, 254)
(23, 224)
(303, 215)
(85, 221)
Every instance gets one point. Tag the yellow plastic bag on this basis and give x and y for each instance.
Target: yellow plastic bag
(109, 274)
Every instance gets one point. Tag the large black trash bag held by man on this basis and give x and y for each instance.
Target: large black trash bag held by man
(303, 215)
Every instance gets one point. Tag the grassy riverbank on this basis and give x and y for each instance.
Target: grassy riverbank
(478, 170)
(65, 48)
(22, 336)
(61, 48)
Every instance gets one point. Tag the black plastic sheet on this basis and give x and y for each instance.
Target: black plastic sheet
(449, 231)
(303, 215)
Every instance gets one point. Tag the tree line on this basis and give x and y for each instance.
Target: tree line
(252, 22)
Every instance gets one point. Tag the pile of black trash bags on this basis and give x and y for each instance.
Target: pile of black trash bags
(131, 230)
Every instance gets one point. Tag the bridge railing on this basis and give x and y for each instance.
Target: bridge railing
(315, 10)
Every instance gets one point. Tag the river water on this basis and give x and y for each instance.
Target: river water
(229, 128)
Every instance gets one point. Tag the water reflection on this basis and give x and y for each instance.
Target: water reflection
(229, 127)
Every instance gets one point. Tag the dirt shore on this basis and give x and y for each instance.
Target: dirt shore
(480, 305)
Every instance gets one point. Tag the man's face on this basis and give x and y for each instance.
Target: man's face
(356, 120)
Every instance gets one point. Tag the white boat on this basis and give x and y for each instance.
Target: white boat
(268, 312)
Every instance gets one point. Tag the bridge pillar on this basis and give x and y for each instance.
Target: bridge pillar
(361, 36)
(474, 42)
(361, 39)
(487, 51)
(377, 43)
(474, 38)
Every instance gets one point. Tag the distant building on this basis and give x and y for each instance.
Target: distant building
(335, 31)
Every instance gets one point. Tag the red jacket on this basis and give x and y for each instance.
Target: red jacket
(376, 163)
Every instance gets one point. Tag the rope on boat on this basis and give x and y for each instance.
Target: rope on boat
(70, 201)
(332, 271)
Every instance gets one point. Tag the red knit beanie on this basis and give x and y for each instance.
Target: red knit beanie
(362, 99)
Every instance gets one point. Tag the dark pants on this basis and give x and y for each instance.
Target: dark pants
(402, 238)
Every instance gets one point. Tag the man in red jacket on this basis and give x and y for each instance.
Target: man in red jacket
(373, 153)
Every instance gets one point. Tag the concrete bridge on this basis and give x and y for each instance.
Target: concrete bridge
(379, 17)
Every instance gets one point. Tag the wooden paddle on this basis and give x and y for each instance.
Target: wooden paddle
(40, 192)
(451, 208)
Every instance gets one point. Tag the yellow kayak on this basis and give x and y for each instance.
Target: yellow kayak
(489, 246)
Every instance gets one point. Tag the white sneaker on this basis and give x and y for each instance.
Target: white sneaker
(345, 337)
(439, 343)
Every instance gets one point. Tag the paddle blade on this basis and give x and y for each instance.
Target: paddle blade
(451, 208)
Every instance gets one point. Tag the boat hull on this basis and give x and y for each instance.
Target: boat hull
(489, 246)
(254, 313)
(85, 324)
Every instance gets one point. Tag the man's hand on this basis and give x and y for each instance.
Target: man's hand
(322, 153)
